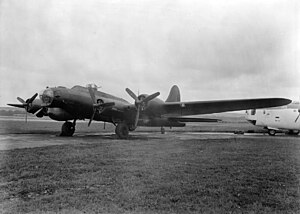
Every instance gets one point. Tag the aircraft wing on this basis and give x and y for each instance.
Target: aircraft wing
(217, 106)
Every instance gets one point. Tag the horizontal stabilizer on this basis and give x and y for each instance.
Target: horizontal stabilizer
(194, 119)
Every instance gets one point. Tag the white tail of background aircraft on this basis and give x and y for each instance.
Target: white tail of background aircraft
(275, 119)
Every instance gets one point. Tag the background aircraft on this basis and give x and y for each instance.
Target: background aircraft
(79, 103)
(286, 118)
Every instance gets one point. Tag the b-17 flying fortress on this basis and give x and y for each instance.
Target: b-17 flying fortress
(80, 103)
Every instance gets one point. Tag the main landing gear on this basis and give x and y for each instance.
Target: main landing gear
(68, 129)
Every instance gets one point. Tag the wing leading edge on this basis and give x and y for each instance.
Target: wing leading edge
(217, 106)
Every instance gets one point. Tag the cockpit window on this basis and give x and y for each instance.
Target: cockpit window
(253, 111)
(47, 96)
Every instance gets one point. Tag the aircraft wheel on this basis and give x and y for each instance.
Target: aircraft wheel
(271, 132)
(162, 130)
(67, 129)
(122, 130)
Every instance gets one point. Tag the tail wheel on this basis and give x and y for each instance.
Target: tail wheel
(271, 132)
(67, 129)
(122, 130)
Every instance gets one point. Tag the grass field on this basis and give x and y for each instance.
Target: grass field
(155, 174)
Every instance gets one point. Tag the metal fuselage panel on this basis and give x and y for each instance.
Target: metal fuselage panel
(275, 118)
(78, 102)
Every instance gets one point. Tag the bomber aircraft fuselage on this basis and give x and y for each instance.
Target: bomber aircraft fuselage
(79, 103)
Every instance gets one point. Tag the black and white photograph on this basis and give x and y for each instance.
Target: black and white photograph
(128, 106)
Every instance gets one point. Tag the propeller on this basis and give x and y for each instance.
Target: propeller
(297, 116)
(42, 112)
(298, 111)
(140, 102)
(20, 100)
(26, 104)
(98, 106)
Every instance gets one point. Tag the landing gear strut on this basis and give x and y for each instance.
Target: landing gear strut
(122, 130)
(68, 129)
(162, 130)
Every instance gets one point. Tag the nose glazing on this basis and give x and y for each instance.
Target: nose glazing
(47, 96)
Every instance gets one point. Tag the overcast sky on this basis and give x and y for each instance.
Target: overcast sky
(211, 49)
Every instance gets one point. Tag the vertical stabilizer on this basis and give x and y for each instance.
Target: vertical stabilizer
(174, 95)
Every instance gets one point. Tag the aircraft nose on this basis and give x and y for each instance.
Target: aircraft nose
(47, 96)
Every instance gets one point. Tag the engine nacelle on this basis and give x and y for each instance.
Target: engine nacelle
(34, 106)
(154, 102)
(59, 114)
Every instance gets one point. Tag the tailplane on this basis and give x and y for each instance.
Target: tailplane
(174, 95)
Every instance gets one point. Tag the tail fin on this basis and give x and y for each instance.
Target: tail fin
(174, 95)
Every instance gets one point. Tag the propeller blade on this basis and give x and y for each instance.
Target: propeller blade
(298, 112)
(42, 112)
(137, 116)
(297, 117)
(93, 97)
(32, 98)
(132, 94)
(92, 94)
(21, 100)
(26, 114)
(151, 97)
(17, 105)
(94, 112)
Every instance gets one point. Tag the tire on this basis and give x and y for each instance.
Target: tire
(271, 132)
(122, 131)
(67, 129)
